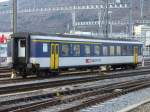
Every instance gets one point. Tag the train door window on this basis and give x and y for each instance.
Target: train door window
(87, 50)
(105, 51)
(23, 43)
(118, 50)
(21, 47)
(112, 50)
(76, 50)
(45, 47)
(124, 50)
(65, 49)
(97, 50)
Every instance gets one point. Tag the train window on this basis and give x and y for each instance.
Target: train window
(65, 50)
(129, 51)
(141, 51)
(118, 50)
(87, 50)
(112, 50)
(22, 43)
(76, 50)
(105, 50)
(97, 50)
(124, 50)
(45, 47)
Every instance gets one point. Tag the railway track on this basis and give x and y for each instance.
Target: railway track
(5, 72)
(5, 77)
(54, 82)
(75, 99)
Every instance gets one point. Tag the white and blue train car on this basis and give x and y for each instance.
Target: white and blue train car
(36, 53)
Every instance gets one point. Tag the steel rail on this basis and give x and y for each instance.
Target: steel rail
(101, 94)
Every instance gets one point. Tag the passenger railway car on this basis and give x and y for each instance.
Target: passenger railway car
(39, 53)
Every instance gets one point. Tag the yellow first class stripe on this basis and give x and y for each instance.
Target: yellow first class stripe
(53, 41)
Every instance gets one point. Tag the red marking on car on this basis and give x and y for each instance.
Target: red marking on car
(88, 61)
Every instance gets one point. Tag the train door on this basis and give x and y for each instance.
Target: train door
(21, 48)
(54, 57)
(19, 51)
(135, 55)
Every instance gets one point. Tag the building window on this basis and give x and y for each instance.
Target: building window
(76, 50)
(112, 50)
(118, 50)
(87, 50)
(105, 50)
(97, 50)
(65, 50)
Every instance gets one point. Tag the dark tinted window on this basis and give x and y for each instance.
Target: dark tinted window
(22, 43)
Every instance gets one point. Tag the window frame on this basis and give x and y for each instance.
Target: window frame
(110, 50)
(45, 50)
(68, 52)
(90, 52)
(118, 53)
(95, 50)
(124, 46)
(105, 53)
(74, 52)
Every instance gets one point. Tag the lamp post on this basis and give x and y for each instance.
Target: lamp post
(14, 16)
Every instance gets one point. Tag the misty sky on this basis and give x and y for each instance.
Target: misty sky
(3, 0)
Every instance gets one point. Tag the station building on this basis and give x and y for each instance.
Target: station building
(142, 33)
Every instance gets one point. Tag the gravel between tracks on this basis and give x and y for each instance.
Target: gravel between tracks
(62, 88)
(108, 81)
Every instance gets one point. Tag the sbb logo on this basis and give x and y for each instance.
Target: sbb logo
(3, 39)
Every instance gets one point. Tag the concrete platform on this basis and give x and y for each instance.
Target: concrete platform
(143, 106)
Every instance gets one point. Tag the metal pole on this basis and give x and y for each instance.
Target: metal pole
(141, 6)
(111, 24)
(130, 20)
(99, 22)
(99, 17)
(14, 16)
(107, 18)
(74, 20)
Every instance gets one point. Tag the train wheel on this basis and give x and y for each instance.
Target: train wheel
(108, 68)
(114, 68)
(24, 76)
(54, 74)
(134, 66)
(40, 74)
